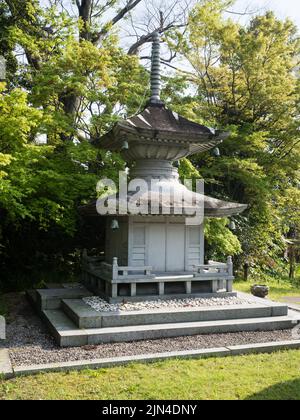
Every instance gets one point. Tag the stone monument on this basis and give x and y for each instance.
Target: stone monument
(158, 250)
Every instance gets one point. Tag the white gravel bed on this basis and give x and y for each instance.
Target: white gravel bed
(100, 305)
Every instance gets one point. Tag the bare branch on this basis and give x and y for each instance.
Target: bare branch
(122, 13)
(159, 16)
(134, 49)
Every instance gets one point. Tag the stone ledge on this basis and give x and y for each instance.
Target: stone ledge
(151, 358)
(6, 368)
(85, 317)
(264, 347)
(120, 361)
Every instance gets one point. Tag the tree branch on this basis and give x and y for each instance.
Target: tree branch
(144, 39)
(122, 13)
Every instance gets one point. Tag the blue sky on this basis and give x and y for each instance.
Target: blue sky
(283, 8)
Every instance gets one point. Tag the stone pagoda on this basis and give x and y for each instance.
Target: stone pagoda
(157, 252)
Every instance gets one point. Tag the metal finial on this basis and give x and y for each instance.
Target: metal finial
(155, 70)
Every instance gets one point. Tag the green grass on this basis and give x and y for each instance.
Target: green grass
(265, 376)
(278, 288)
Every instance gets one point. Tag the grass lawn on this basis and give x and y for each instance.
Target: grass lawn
(274, 376)
(278, 288)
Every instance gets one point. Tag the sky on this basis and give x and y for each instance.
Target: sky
(282, 8)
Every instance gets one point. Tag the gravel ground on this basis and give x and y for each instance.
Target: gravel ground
(29, 343)
(100, 305)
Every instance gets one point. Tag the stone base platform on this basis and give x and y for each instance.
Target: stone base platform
(75, 323)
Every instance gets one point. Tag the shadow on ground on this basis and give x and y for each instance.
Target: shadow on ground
(289, 390)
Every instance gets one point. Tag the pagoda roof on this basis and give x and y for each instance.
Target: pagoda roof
(213, 207)
(158, 123)
(160, 118)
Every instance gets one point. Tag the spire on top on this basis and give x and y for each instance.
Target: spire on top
(155, 70)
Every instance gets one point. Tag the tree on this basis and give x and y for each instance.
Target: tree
(6, 47)
(43, 29)
(70, 77)
(245, 79)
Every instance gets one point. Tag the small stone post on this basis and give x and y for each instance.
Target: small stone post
(230, 274)
(115, 271)
(115, 268)
(230, 266)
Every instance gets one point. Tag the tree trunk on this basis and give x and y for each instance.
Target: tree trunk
(292, 259)
(85, 11)
(246, 271)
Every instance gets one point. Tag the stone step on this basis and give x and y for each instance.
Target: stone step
(52, 298)
(64, 331)
(86, 317)
(68, 335)
(81, 314)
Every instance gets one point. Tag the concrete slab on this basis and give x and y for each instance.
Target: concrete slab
(68, 335)
(86, 317)
(264, 347)
(83, 315)
(184, 315)
(6, 369)
(87, 326)
(294, 314)
(151, 358)
(278, 308)
(51, 298)
(295, 308)
(146, 332)
(291, 299)
(64, 330)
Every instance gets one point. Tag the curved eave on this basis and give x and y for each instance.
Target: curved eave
(197, 142)
(227, 210)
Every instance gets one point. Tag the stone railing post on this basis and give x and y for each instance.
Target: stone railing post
(115, 268)
(230, 266)
(230, 274)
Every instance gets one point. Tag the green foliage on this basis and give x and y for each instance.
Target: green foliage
(245, 80)
(187, 170)
(37, 182)
(280, 288)
(6, 46)
(68, 90)
(102, 77)
(72, 85)
(220, 240)
(41, 188)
